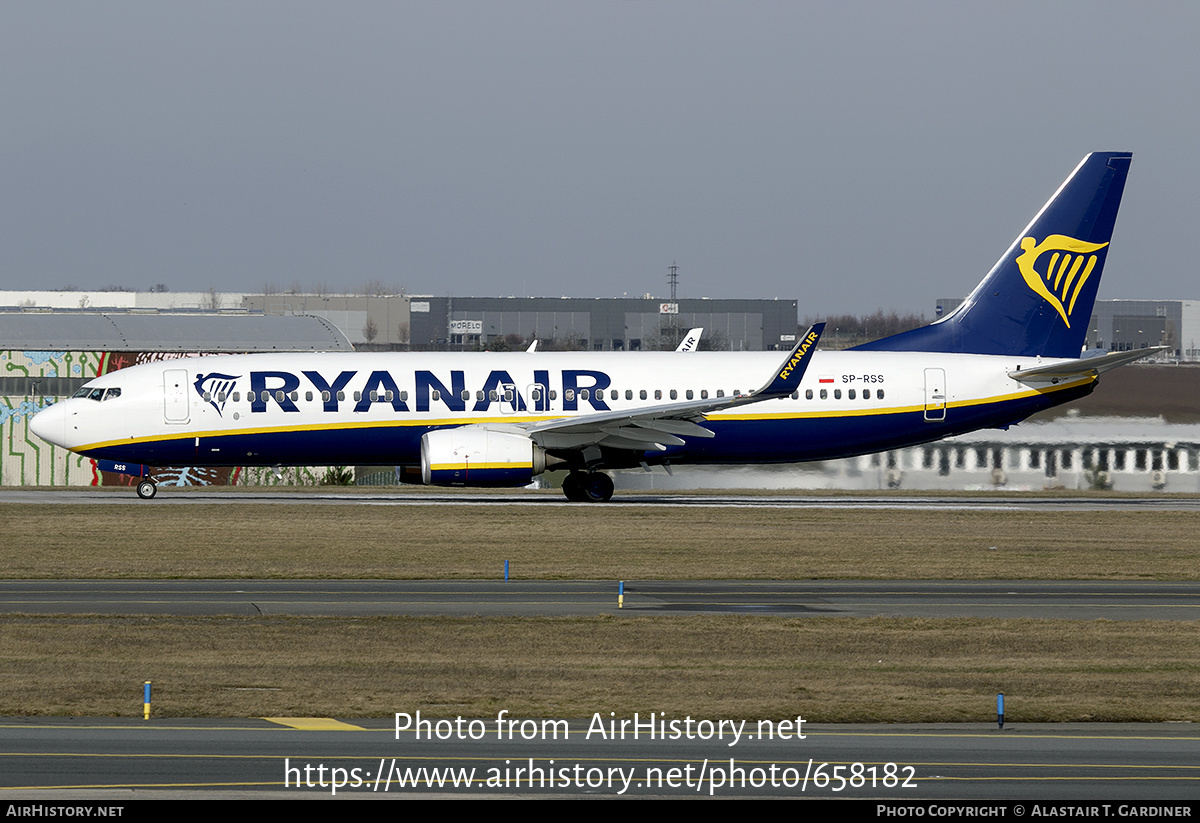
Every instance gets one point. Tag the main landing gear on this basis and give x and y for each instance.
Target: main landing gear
(146, 489)
(588, 487)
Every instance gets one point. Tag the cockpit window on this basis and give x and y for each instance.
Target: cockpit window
(97, 394)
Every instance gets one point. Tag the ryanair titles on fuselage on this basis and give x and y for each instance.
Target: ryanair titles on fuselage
(449, 389)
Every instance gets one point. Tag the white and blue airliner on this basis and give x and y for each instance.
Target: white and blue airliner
(1014, 347)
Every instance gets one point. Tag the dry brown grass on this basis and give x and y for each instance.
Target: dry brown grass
(826, 669)
(653, 542)
(715, 666)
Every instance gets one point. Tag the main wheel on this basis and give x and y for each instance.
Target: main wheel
(573, 487)
(146, 489)
(598, 487)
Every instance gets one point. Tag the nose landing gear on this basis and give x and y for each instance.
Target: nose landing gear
(146, 489)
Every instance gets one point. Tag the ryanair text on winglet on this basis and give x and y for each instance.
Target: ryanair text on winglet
(799, 355)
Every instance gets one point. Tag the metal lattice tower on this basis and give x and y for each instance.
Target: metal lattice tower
(673, 318)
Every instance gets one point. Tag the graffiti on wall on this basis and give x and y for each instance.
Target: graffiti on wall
(27, 460)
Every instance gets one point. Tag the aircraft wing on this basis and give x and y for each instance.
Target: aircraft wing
(657, 427)
(1081, 367)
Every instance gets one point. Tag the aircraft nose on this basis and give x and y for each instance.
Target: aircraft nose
(50, 424)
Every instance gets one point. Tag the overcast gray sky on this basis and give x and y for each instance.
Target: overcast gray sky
(854, 155)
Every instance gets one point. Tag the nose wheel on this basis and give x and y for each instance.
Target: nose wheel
(146, 489)
(588, 487)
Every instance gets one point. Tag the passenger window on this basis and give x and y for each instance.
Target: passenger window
(808, 394)
(824, 394)
(208, 397)
(403, 397)
(796, 395)
(850, 395)
(674, 394)
(658, 394)
(325, 396)
(569, 395)
(508, 395)
(584, 394)
(720, 392)
(374, 396)
(689, 394)
(629, 394)
(837, 394)
(554, 394)
(879, 394)
(466, 395)
(342, 395)
(279, 397)
(235, 397)
(493, 396)
(478, 396)
(704, 394)
(357, 396)
(250, 396)
(220, 396)
(535, 395)
(436, 394)
(613, 394)
(308, 396)
(389, 395)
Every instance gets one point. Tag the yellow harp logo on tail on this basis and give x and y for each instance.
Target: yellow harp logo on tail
(1060, 283)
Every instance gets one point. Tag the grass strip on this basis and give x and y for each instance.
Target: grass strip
(826, 669)
(261, 540)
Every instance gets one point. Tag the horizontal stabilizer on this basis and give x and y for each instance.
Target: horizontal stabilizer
(1082, 367)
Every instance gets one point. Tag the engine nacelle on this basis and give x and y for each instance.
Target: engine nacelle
(473, 456)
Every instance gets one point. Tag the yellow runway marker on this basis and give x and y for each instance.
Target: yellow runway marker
(309, 724)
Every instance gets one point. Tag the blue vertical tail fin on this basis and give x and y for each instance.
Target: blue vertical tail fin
(1038, 298)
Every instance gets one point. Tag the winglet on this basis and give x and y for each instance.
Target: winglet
(791, 372)
(691, 341)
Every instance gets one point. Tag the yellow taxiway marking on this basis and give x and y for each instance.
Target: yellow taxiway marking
(322, 724)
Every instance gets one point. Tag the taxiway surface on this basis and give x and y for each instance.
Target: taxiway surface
(1070, 600)
(122, 759)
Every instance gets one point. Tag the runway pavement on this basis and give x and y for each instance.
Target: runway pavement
(1070, 600)
(126, 759)
(1016, 501)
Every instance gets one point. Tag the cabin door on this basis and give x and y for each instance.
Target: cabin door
(935, 394)
(175, 396)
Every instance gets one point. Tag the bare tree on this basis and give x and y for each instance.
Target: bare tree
(370, 331)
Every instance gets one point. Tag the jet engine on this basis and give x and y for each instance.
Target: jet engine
(475, 456)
